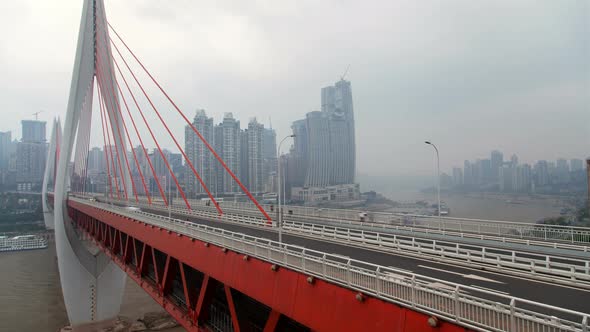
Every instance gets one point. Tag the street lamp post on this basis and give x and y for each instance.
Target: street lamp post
(169, 197)
(437, 175)
(280, 221)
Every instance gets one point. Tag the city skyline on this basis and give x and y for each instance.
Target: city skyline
(527, 97)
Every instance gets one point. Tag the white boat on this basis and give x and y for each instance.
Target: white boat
(22, 242)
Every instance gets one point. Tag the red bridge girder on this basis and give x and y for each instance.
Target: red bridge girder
(316, 304)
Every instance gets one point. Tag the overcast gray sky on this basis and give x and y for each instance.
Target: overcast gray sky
(471, 76)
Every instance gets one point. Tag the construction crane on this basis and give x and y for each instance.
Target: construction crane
(36, 114)
(345, 72)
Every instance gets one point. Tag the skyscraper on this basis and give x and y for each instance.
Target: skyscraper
(318, 159)
(269, 159)
(324, 152)
(5, 141)
(468, 179)
(230, 146)
(197, 152)
(523, 178)
(497, 160)
(31, 152)
(541, 173)
(507, 178)
(562, 171)
(576, 165)
(336, 103)
(514, 160)
(255, 156)
(33, 131)
(298, 159)
(457, 176)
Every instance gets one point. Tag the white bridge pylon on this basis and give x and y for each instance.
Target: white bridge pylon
(50, 170)
(92, 284)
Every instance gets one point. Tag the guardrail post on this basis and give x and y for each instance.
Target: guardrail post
(414, 290)
(377, 281)
(572, 231)
(303, 259)
(324, 272)
(348, 273)
(585, 324)
(512, 315)
(457, 307)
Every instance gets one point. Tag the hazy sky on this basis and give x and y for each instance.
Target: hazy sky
(471, 76)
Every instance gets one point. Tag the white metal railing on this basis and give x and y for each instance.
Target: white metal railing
(467, 306)
(534, 265)
(382, 227)
(561, 269)
(566, 237)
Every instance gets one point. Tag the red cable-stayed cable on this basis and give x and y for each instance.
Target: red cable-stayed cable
(118, 108)
(130, 144)
(79, 153)
(153, 136)
(109, 141)
(139, 136)
(117, 148)
(106, 154)
(87, 143)
(109, 147)
(244, 189)
(173, 138)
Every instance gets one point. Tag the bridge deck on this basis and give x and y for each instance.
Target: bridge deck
(538, 291)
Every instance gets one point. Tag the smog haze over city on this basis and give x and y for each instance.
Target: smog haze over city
(295, 165)
(470, 76)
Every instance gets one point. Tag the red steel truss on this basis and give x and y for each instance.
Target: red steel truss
(157, 259)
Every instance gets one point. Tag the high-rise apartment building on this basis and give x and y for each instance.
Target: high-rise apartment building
(541, 173)
(318, 152)
(468, 173)
(197, 152)
(457, 176)
(576, 165)
(33, 131)
(31, 152)
(562, 171)
(497, 160)
(507, 178)
(5, 141)
(230, 152)
(299, 155)
(255, 156)
(269, 159)
(30, 165)
(523, 178)
(514, 160)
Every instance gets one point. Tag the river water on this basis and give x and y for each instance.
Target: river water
(521, 208)
(30, 294)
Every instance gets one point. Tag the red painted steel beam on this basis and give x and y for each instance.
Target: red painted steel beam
(205, 297)
(232, 309)
(272, 321)
(320, 305)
